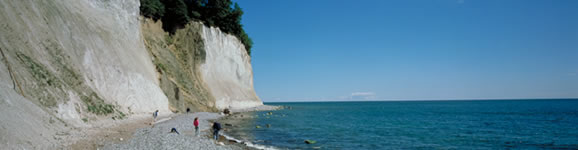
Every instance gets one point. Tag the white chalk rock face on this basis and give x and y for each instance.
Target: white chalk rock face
(102, 39)
(227, 71)
(122, 70)
(116, 63)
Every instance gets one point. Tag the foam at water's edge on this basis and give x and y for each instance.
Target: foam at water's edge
(249, 144)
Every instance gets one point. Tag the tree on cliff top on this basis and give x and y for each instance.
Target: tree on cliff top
(223, 14)
(152, 9)
(176, 15)
(195, 8)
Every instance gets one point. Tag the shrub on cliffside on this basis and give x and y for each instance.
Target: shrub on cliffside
(247, 41)
(152, 8)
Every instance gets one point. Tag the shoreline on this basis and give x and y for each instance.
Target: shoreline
(105, 132)
(232, 121)
(137, 133)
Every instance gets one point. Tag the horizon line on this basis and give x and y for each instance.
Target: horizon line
(417, 100)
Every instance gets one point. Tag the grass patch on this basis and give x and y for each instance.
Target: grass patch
(101, 109)
(169, 39)
(60, 61)
(38, 71)
(44, 81)
(160, 67)
(119, 116)
(96, 105)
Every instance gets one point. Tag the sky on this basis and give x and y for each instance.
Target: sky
(333, 50)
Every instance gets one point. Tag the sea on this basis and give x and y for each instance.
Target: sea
(455, 124)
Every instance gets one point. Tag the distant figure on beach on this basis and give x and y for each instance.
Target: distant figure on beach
(155, 115)
(174, 130)
(196, 123)
(216, 128)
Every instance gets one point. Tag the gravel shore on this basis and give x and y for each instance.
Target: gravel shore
(159, 136)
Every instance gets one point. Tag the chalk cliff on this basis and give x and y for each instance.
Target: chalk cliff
(227, 71)
(67, 64)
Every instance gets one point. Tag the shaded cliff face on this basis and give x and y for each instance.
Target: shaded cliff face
(177, 59)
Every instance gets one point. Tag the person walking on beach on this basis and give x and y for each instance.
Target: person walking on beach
(216, 128)
(155, 115)
(196, 123)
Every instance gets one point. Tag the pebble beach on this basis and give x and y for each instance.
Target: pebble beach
(158, 136)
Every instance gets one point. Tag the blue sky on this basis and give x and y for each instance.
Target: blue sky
(315, 50)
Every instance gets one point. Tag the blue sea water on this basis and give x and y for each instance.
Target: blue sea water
(491, 124)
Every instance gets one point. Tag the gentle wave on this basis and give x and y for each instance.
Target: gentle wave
(249, 144)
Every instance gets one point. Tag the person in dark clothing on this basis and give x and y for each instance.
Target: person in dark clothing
(174, 130)
(216, 128)
(155, 115)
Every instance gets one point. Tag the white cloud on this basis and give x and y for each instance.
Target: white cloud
(362, 93)
(362, 96)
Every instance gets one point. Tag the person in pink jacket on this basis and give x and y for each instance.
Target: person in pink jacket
(196, 123)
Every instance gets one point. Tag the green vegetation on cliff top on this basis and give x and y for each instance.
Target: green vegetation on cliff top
(175, 14)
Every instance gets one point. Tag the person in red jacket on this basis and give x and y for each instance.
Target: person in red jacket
(196, 123)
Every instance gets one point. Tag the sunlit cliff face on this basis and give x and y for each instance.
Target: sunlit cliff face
(227, 70)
